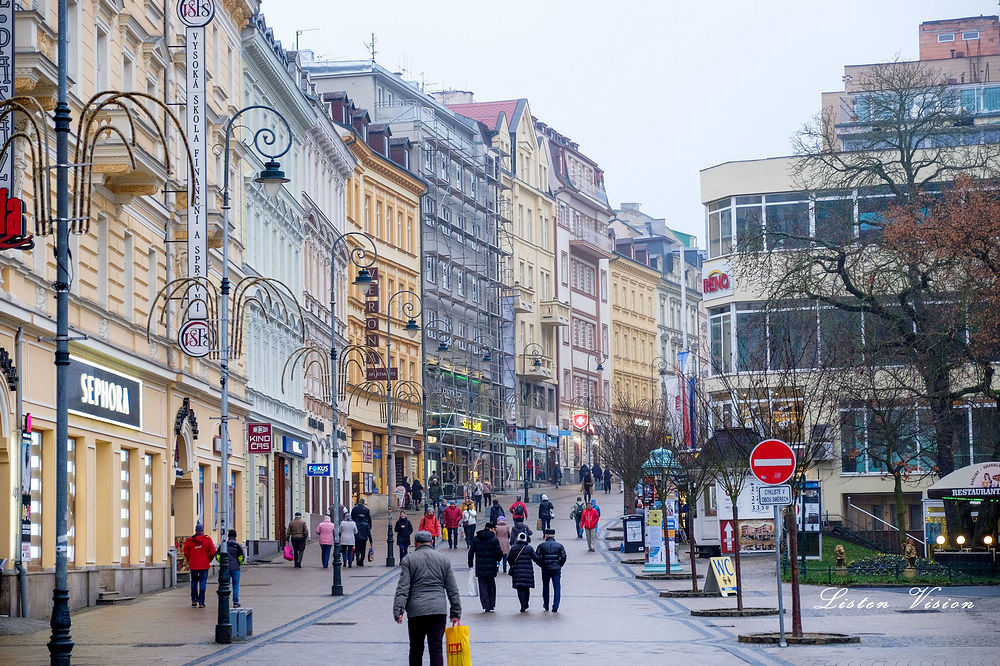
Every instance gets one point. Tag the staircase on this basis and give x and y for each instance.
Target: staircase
(107, 597)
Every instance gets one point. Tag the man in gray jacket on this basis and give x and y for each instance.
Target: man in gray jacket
(425, 579)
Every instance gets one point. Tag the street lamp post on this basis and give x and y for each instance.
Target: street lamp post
(410, 310)
(601, 358)
(271, 178)
(363, 258)
(536, 352)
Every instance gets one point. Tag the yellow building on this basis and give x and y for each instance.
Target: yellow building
(142, 465)
(529, 238)
(383, 201)
(635, 374)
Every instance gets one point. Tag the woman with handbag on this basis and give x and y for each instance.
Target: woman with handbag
(522, 560)
(469, 520)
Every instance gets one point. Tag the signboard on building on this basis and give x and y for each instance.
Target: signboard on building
(293, 447)
(194, 338)
(318, 469)
(259, 438)
(195, 15)
(373, 306)
(580, 420)
(7, 91)
(366, 452)
(381, 374)
(718, 282)
(104, 394)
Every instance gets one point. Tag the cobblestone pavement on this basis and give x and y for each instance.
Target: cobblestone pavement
(605, 615)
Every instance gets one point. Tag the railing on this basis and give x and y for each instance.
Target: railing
(591, 235)
(876, 532)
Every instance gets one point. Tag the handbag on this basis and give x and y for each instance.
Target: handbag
(289, 555)
(371, 554)
(457, 637)
(538, 525)
(472, 584)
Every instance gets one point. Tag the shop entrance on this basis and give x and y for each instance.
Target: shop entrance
(282, 496)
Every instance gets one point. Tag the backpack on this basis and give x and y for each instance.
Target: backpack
(518, 511)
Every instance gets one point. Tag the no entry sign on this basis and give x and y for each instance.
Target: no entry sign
(772, 462)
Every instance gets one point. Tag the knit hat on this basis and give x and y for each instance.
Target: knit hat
(422, 536)
(544, 496)
(501, 519)
(522, 537)
(199, 528)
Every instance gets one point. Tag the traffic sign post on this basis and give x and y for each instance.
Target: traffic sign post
(773, 463)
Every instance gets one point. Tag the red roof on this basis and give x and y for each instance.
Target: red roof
(487, 113)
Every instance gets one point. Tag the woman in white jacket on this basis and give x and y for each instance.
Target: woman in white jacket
(469, 519)
(348, 531)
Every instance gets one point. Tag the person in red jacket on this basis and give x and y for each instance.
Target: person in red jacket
(198, 551)
(452, 519)
(518, 511)
(588, 521)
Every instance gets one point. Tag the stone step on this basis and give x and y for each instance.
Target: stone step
(111, 597)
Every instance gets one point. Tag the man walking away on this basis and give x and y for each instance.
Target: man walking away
(589, 523)
(477, 495)
(607, 481)
(198, 551)
(557, 475)
(495, 511)
(325, 531)
(576, 514)
(522, 569)
(403, 530)
(587, 487)
(545, 512)
(361, 539)
(584, 471)
(551, 558)
(235, 550)
(297, 534)
(452, 520)
(425, 577)
(487, 492)
(487, 554)
(518, 511)
(520, 528)
(360, 513)
(348, 537)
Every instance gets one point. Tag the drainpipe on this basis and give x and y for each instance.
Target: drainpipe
(22, 573)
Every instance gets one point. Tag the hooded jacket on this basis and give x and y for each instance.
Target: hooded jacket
(503, 536)
(522, 559)
(545, 509)
(403, 530)
(429, 523)
(452, 517)
(486, 552)
(426, 586)
(199, 551)
(589, 518)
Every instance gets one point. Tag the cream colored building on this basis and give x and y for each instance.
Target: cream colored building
(142, 467)
(635, 375)
(538, 315)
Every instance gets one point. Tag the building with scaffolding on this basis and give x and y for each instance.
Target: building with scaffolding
(462, 272)
(537, 315)
(584, 247)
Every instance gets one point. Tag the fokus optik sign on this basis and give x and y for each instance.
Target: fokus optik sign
(195, 15)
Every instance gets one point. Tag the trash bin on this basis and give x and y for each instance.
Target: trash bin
(634, 533)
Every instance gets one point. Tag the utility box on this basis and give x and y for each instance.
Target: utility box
(633, 533)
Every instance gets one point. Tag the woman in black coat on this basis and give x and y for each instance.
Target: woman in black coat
(522, 560)
(403, 530)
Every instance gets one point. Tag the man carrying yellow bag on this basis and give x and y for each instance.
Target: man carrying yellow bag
(425, 579)
(457, 638)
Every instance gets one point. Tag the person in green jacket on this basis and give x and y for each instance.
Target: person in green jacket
(434, 492)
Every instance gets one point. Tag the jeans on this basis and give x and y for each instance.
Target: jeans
(470, 532)
(487, 498)
(524, 595)
(591, 538)
(325, 554)
(347, 554)
(199, 581)
(431, 626)
(478, 501)
(453, 537)
(556, 579)
(234, 581)
(487, 592)
(546, 523)
(403, 548)
(579, 529)
(298, 547)
(505, 563)
(360, 551)
(587, 494)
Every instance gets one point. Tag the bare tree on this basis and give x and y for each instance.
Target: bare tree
(692, 477)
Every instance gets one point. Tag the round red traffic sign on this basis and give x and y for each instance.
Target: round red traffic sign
(772, 462)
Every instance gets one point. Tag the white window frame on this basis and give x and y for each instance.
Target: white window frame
(946, 37)
(970, 35)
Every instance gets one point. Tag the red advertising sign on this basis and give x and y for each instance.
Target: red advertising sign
(580, 420)
(772, 462)
(13, 228)
(726, 531)
(716, 281)
(259, 438)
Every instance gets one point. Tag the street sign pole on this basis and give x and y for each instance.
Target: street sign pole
(777, 554)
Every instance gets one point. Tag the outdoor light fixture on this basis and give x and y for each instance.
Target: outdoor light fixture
(411, 326)
(487, 357)
(600, 367)
(988, 540)
(960, 540)
(940, 540)
(272, 178)
(442, 346)
(537, 363)
(364, 277)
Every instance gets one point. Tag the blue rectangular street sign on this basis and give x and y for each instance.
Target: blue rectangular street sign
(318, 469)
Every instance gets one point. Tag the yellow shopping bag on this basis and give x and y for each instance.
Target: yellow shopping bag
(457, 638)
(444, 534)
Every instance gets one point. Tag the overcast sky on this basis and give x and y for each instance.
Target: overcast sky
(653, 91)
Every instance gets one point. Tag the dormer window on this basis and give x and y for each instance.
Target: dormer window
(946, 37)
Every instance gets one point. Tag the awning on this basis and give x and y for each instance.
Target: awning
(980, 481)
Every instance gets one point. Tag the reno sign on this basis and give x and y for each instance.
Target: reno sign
(717, 283)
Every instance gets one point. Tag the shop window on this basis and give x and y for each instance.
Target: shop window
(71, 501)
(124, 512)
(147, 511)
(35, 487)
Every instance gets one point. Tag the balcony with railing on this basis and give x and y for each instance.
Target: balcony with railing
(554, 313)
(524, 298)
(536, 367)
(593, 235)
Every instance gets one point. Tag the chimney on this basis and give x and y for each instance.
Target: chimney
(631, 205)
(454, 96)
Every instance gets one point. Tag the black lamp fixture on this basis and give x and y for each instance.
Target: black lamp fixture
(487, 357)
(272, 177)
(538, 362)
(600, 367)
(411, 326)
(442, 346)
(364, 277)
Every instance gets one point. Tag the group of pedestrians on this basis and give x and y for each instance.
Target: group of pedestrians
(199, 550)
(586, 516)
(591, 478)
